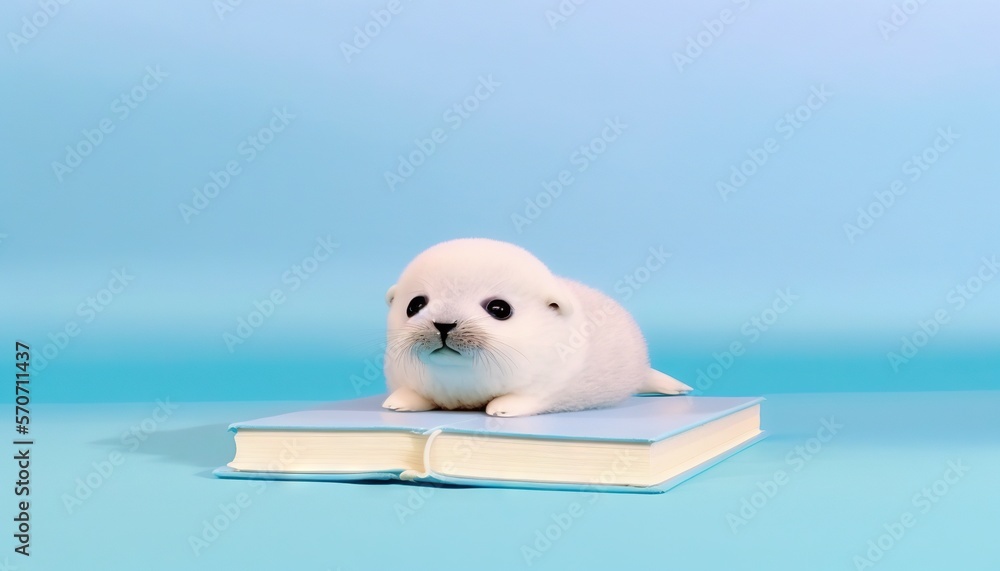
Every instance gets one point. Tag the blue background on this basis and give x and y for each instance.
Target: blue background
(221, 75)
(356, 112)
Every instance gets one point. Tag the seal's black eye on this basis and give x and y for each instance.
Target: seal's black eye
(416, 304)
(499, 309)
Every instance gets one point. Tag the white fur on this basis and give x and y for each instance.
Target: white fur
(565, 347)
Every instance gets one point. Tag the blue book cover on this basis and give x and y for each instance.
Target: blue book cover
(644, 444)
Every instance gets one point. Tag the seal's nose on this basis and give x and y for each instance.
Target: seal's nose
(444, 328)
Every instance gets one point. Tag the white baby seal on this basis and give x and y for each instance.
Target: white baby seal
(479, 323)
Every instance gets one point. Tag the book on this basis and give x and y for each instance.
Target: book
(644, 444)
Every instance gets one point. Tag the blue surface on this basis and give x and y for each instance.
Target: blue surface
(836, 496)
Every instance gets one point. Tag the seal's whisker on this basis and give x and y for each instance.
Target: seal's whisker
(499, 350)
(506, 345)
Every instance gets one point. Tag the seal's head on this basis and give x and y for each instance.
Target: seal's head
(474, 303)
(477, 323)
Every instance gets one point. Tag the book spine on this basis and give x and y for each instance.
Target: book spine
(427, 472)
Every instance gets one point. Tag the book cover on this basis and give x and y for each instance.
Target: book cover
(640, 419)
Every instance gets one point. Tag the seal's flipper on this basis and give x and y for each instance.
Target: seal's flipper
(663, 383)
(405, 399)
